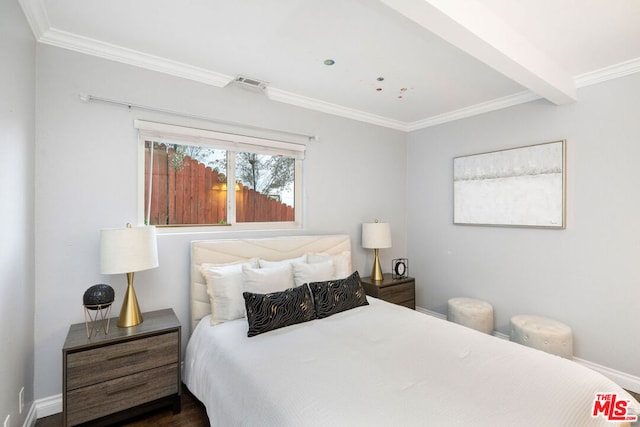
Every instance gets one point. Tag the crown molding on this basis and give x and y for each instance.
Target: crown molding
(36, 15)
(335, 109)
(113, 52)
(608, 73)
(86, 45)
(474, 110)
(583, 80)
(37, 18)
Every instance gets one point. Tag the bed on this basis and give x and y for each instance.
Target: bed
(376, 364)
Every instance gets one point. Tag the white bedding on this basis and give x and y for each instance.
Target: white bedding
(384, 365)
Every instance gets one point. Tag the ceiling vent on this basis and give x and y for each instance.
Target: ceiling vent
(250, 83)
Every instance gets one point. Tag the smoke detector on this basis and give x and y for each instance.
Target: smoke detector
(250, 82)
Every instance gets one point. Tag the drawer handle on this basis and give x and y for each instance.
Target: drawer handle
(127, 354)
(117, 390)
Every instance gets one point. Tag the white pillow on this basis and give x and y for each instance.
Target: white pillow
(341, 262)
(269, 264)
(267, 280)
(318, 272)
(225, 284)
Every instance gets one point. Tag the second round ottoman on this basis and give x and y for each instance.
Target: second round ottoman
(543, 333)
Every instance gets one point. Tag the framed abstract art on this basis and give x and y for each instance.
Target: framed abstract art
(518, 187)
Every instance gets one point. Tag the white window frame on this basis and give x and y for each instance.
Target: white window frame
(232, 143)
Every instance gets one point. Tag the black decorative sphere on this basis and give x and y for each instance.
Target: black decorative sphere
(102, 295)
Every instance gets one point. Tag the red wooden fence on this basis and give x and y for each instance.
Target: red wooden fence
(196, 194)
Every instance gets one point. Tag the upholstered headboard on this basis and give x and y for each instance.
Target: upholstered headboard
(230, 250)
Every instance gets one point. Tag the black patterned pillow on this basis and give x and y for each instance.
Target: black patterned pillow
(266, 312)
(334, 296)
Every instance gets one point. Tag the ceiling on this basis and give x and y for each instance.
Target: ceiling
(403, 64)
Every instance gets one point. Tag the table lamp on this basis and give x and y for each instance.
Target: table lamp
(127, 250)
(376, 235)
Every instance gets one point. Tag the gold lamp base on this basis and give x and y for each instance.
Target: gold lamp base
(376, 272)
(130, 314)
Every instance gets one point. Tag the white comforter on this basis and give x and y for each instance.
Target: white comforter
(384, 365)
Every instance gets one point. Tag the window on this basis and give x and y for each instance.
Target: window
(195, 177)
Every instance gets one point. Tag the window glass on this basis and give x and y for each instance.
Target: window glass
(184, 184)
(194, 185)
(265, 188)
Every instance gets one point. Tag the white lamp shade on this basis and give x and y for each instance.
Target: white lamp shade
(376, 235)
(127, 250)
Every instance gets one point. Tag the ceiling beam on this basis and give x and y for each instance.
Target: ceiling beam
(474, 29)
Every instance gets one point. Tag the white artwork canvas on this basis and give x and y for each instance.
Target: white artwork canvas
(519, 187)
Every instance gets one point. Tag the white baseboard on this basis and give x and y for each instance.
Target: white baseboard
(49, 405)
(624, 380)
(30, 420)
(431, 313)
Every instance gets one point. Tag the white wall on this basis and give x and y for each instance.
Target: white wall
(17, 110)
(586, 275)
(87, 173)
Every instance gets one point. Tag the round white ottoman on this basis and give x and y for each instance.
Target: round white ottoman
(470, 312)
(542, 333)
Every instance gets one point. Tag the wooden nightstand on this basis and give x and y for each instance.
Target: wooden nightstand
(397, 291)
(109, 378)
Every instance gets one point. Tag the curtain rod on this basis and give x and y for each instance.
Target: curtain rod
(87, 98)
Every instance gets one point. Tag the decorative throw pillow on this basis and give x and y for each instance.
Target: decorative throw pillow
(270, 264)
(307, 273)
(334, 296)
(267, 280)
(225, 284)
(266, 312)
(341, 262)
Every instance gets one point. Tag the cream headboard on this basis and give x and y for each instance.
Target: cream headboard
(230, 250)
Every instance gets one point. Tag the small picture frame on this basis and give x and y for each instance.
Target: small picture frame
(399, 268)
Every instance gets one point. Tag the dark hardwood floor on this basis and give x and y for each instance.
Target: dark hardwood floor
(192, 414)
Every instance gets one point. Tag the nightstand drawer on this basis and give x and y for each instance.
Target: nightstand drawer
(112, 396)
(399, 294)
(113, 361)
(397, 291)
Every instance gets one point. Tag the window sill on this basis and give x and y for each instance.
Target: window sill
(226, 228)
